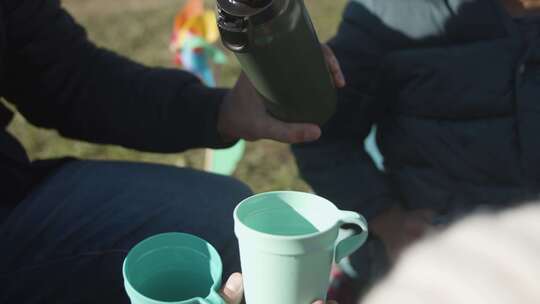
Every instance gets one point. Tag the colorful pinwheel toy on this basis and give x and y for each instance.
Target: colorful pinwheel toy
(192, 43)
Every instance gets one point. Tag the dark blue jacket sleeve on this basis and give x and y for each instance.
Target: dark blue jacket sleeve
(58, 79)
(337, 166)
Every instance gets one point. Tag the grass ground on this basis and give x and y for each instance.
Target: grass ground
(140, 29)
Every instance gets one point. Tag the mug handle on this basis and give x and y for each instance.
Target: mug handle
(356, 222)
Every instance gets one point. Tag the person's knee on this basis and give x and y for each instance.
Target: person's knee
(204, 192)
(221, 186)
(236, 188)
(185, 182)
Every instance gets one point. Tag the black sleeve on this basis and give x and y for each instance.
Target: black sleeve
(58, 79)
(337, 165)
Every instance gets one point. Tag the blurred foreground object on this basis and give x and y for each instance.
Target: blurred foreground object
(490, 258)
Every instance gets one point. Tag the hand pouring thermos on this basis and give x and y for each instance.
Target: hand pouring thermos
(278, 49)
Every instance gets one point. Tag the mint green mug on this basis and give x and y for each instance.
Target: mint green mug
(173, 268)
(288, 242)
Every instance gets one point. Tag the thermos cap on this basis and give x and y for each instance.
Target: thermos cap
(244, 8)
(236, 18)
(254, 3)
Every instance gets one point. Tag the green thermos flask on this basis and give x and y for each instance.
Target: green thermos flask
(278, 49)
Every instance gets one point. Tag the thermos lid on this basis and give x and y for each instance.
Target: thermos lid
(244, 8)
(237, 17)
(255, 3)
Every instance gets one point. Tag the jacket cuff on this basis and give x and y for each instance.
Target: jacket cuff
(206, 105)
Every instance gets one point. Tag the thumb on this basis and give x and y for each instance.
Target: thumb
(233, 291)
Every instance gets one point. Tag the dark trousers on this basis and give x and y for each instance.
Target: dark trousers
(65, 243)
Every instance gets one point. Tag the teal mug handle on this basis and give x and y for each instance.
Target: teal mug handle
(214, 298)
(349, 245)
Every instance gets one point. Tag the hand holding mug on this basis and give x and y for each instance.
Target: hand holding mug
(233, 291)
(398, 228)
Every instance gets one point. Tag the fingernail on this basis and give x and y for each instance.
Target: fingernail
(234, 283)
(311, 135)
(342, 80)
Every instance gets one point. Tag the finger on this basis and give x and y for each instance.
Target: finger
(330, 58)
(233, 291)
(415, 229)
(335, 68)
(428, 215)
(291, 133)
(333, 64)
(530, 4)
